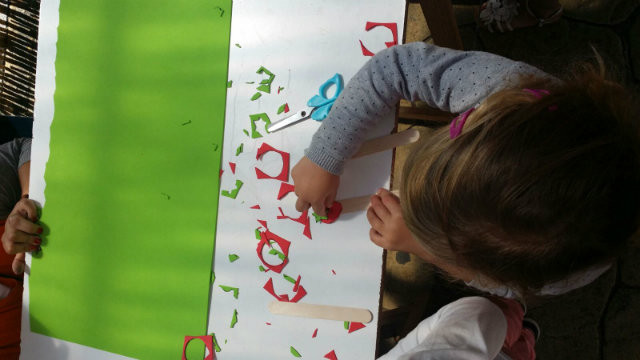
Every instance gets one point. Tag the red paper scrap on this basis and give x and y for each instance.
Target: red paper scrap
(255, 207)
(333, 213)
(333, 271)
(284, 173)
(265, 237)
(208, 343)
(295, 286)
(286, 108)
(303, 219)
(331, 356)
(393, 27)
(315, 333)
(354, 326)
(232, 165)
(221, 171)
(263, 223)
(285, 188)
(268, 286)
(268, 323)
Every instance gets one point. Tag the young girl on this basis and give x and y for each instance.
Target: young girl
(535, 188)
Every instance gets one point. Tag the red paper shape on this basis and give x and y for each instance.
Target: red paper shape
(268, 286)
(265, 237)
(208, 343)
(268, 323)
(255, 207)
(233, 167)
(333, 271)
(354, 326)
(333, 213)
(295, 286)
(284, 173)
(303, 219)
(393, 27)
(331, 356)
(285, 188)
(315, 333)
(221, 171)
(263, 223)
(286, 108)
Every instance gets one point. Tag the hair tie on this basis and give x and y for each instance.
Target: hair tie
(540, 93)
(458, 122)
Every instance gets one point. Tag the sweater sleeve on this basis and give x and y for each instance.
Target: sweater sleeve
(469, 328)
(447, 79)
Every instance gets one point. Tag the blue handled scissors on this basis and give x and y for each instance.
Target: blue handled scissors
(317, 107)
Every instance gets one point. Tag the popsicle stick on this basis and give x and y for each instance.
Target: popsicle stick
(387, 142)
(327, 312)
(359, 203)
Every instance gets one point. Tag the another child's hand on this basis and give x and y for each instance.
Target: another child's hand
(388, 229)
(314, 186)
(21, 233)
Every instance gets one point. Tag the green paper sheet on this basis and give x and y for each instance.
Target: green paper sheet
(131, 193)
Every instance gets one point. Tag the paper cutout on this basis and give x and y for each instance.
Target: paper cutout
(284, 108)
(257, 233)
(294, 352)
(233, 257)
(280, 88)
(296, 285)
(346, 325)
(333, 213)
(232, 165)
(265, 83)
(239, 149)
(234, 318)
(257, 207)
(265, 237)
(333, 271)
(233, 193)
(303, 219)
(256, 117)
(235, 290)
(238, 45)
(208, 343)
(256, 96)
(263, 223)
(278, 253)
(354, 326)
(285, 188)
(393, 27)
(262, 269)
(289, 278)
(221, 171)
(213, 278)
(284, 173)
(319, 218)
(215, 342)
(331, 355)
(249, 82)
(315, 333)
(299, 294)
(229, 84)
(245, 132)
(268, 323)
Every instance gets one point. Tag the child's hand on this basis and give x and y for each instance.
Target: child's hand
(21, 233)
(314, 186)
(388, 229)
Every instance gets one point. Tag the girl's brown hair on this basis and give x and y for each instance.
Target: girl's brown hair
(533, 189)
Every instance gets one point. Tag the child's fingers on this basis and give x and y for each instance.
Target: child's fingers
(374, 220)
(18, 264)
(376, 238)
(390, 200)
(302, 205)
(378, 206)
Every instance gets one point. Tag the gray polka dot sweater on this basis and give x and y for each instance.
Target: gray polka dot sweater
(447, 79)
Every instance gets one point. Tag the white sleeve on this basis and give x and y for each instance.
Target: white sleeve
(469, 328)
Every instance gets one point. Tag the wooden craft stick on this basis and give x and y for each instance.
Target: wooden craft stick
(359, 203)
(321, 311)
(387, 142)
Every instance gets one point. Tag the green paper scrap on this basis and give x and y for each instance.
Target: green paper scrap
(240, 149)
(216, 347)
(229, 84)
(125, 71)
(238, 45)
(235, 290)
(213, 277)
(245, 132)
(278, 253)
(280, 88)
(346, 325)
(264, 88)
(257, 117)
(232, 193)
(257, 233)
(234, 319)
(249, 82)
(261, 268)
(289, 278)
(281, 108)
(233, 257)
(215, 147)
(319, 218)
(256, 96)
(225, 341)
(294, 352)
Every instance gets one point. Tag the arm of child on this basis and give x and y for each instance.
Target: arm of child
(447, 79)
(469, 328)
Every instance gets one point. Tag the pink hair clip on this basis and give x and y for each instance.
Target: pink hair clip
(458, 122)
(540, 93)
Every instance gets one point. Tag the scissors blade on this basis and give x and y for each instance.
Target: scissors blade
(299, 116)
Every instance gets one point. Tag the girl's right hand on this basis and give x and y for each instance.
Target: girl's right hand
(314, 186)
(21, 232)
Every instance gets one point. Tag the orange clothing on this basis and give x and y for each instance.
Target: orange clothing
(10, 307)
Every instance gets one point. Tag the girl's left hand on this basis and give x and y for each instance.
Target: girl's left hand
(388, 229)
